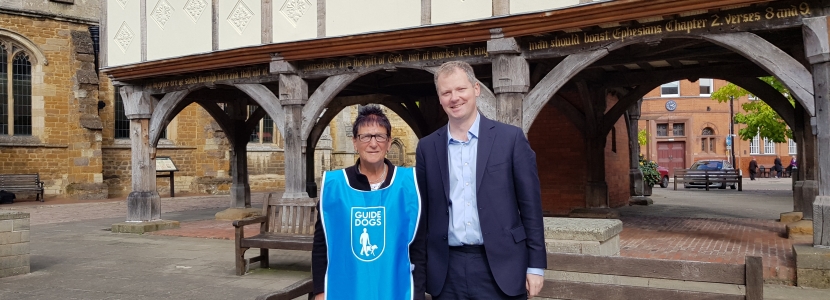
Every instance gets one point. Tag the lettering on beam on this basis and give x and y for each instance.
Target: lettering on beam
(702, 23)
(211, 77)
(392, 59)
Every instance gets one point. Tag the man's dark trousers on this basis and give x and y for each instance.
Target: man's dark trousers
(469, 277)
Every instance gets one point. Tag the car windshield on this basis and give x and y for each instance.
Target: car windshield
(708, 165)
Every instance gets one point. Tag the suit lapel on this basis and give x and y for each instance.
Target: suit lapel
(443, 160)
(486, 136)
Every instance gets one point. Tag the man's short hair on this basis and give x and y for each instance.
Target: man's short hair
(450, 67)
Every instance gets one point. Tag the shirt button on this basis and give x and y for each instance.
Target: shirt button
(466, 183)
(465, 164)
(468, 203)
(468, 223)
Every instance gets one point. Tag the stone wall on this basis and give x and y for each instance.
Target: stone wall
(66, 133)
(14, 243)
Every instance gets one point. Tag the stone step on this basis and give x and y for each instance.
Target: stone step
(790, 217)
(801, 231)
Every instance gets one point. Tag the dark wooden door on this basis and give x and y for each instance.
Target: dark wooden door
(671, 155)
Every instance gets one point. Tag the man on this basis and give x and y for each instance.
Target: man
(753, 168)
(482, 200)
(778, 167)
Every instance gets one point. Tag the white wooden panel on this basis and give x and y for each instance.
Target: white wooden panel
(447, 11)
(240, 23)
(345, 17)
(522, 6)
(294, 20)
(123, 32)
(174, 29)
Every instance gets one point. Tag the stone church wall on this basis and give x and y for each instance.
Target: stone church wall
(65, 144)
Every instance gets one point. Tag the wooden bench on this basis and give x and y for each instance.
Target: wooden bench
(749, 275)
(286, 224)
(708, 177)
(16, 183)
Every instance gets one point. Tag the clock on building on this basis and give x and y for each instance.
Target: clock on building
(671, 105)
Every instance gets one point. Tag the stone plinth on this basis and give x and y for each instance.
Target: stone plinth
(812, 266)
(800, 231)
(14, 243)
(583, 236)
(142, 227)
(790, 217)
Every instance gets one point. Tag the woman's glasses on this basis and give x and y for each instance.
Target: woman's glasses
(365, 138)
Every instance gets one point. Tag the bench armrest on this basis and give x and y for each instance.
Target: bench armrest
(302, 287)
(249, 221)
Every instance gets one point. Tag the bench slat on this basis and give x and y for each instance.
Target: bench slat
(279, 241)
(572, 290)
(648, 268)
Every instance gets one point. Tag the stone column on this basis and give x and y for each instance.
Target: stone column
(634, 174)
(143, 203)
(511, 77)
(293, 94)
(817, 51)
(240, 188)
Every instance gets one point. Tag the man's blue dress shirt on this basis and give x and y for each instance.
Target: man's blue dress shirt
(465, 228)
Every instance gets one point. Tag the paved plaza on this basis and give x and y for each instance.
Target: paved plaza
(75, 256)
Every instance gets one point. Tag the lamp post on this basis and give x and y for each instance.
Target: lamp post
(732, 130)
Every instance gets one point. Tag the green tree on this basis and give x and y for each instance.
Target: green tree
(758, 117)
(642, 137)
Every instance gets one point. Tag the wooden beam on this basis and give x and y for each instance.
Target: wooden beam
(450, 34)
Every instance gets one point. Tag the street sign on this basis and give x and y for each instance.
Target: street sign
(728, 141)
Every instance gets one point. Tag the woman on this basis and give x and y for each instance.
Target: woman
(366, 240)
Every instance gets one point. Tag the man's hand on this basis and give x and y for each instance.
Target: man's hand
(320, 296)
(534, 285)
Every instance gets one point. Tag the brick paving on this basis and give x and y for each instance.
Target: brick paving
(678, 238)
(711, 240)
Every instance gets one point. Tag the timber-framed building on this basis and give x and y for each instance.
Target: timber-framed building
(571, 74)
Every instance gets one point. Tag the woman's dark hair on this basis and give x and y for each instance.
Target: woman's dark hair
(370, 115)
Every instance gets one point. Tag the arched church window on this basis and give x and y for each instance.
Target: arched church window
(15, 91)
(395, 154)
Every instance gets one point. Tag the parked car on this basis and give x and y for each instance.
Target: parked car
(710, 165)
(664, 176)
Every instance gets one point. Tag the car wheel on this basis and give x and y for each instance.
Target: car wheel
(733, 187)
(722, 186)
(665, 182)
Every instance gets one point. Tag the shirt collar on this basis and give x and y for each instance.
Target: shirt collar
(472, 133)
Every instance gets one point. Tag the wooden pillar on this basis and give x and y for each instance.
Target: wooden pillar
(143, 202)
(634, 173)
(805, 189)
(817, 51)
(293, 94)
(511, 77)
(241, 187)
(594, 102)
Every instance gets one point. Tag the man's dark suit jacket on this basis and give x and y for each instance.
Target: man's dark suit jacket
(509, 204)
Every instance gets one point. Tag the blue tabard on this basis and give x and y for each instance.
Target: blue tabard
(368, 236)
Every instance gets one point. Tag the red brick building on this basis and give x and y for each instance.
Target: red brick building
(684, 125)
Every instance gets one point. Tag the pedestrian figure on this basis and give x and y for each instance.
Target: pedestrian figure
(753, 168)
(778, 167)
(793, 164)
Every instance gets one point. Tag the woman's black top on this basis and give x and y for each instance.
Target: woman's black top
(319, 258)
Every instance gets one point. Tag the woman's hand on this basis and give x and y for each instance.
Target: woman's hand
(320, 296)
